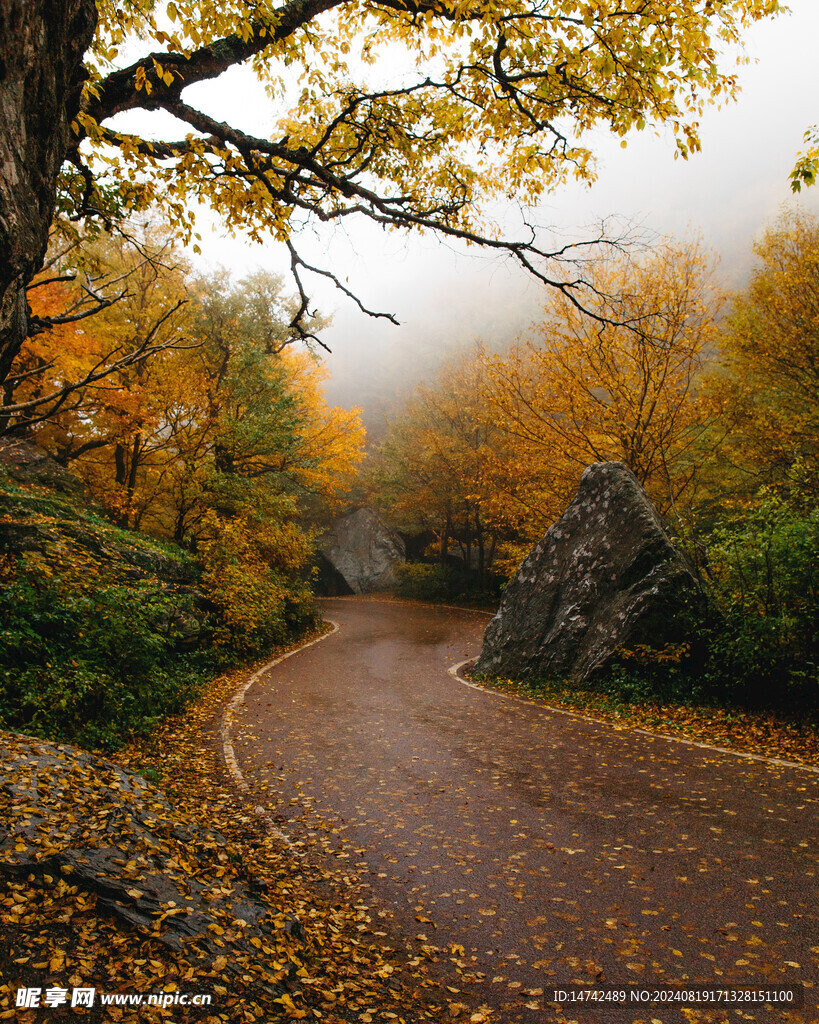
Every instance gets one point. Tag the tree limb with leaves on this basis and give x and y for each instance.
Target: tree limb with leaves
(493, 100)
(806, 169)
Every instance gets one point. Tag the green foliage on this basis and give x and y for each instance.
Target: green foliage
(764, 573)
(92, 666)
(421, 582)
(440, 584)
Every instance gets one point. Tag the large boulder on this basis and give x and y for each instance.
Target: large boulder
(364, 550)
(605, 578)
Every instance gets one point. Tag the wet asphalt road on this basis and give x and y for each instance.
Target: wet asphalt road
(552, 849)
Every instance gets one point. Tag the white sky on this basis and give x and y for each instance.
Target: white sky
(727, 193)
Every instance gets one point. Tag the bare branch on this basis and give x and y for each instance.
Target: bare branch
(51, 280)
(39, 324)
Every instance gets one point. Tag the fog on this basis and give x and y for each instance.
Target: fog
(445, 296)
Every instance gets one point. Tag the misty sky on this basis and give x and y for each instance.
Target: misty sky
(443, 297)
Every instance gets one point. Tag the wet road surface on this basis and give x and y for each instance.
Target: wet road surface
(534, 849)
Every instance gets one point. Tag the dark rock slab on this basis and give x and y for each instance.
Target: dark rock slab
(68, 814)
(364, 550)
(605, 577)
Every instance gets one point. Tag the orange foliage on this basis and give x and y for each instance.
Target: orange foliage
(766, 387)
(621, 388)
(147, 439)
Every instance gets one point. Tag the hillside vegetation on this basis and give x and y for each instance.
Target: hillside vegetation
(106, 630)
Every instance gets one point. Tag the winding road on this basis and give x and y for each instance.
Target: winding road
(533, 848)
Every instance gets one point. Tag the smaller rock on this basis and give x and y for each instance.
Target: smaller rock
(364, 550)
(69, 814)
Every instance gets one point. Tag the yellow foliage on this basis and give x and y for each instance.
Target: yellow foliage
(622, 387)
(495, 97)
(765, 389)
(240, 578)
(330, 444)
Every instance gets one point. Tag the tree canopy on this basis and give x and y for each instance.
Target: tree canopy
(768, 380)
(409, 112)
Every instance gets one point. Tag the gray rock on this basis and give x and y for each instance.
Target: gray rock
(364, 550)
(27, 463)
(605, 577)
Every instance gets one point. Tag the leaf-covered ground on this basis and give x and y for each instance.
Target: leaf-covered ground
(751, 732)
(105, 883)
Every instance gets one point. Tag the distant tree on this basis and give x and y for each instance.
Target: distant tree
(768, 382)
(493, 100)
(433, 469)
(582, 391)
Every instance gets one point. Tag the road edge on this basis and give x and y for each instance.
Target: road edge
(226, 730)
(454, 671)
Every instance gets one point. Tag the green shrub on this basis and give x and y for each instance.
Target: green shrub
(250, 580)
(422, 582)
(764, 585)
(757, 647)
(91, 665)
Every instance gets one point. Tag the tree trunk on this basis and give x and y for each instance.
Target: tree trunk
(42, 43)
(120, 468)
(136, 451)
(481, 551)
(443, 548)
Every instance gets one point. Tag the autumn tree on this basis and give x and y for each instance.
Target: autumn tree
(768, 381)
(621, 387)
(102, 308)
(94, 390)
(433, 473)
(222, 404)
(264, 438)
(265, 404)
(806, 168)
(494, 100)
